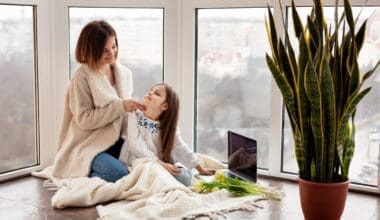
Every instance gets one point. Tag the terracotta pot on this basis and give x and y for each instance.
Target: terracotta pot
(322, 200)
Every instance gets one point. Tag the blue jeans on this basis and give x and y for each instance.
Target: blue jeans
(107, 166)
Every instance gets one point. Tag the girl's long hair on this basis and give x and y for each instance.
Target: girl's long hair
(168, 124)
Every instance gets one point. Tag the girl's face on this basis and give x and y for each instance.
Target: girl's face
(109, 52)
(155, 101)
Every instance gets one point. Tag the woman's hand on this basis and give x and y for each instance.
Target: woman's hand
(204, 171)
(131, 105)
(172, 169)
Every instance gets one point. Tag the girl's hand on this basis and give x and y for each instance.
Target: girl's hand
(205, 171)
(131, 105)
(172, 169)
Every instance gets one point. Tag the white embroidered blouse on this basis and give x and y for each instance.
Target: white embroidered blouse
(143, 140)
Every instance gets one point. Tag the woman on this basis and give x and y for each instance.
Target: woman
(94, 116)
(152, 134)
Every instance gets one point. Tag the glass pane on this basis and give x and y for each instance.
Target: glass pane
(365, 164)
(140, 36)
(232, 80)
(17, 131)
(288, 154)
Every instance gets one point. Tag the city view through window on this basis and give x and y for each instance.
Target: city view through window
(233, 81)
(17, 117)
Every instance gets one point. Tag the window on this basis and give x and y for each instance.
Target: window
(212, 52)
(365, 163)
(18, 89)
(231, 74)
(140, 35)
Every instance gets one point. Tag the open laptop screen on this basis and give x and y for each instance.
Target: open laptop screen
(242, 155)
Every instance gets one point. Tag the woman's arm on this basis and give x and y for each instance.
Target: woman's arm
(131, 105)
(85, 114)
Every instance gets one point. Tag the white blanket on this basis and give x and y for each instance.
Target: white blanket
(147, 192)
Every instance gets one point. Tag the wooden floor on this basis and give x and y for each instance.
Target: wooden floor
(25, 198)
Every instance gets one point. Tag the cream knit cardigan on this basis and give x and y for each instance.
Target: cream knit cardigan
(92, 120)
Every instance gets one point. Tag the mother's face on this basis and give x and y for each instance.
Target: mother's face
(109, 52)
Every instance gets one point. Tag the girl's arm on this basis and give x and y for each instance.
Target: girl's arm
(183, 154)
(204, 171)
(172, 169)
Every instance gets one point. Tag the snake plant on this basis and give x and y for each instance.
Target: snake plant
(321, 88)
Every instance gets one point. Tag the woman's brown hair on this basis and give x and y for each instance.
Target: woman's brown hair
(168, 124)
(91, 42)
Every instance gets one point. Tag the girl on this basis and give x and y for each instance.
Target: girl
(152, 133)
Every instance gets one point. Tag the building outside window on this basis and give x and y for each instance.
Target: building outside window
(231, 74)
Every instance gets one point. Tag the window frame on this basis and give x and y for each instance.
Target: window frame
(62, 55)
(52, 68)
(42, 89)
(331, 3)
(276, 124)
(188, 100)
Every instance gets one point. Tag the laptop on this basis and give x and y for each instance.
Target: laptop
(242, 158)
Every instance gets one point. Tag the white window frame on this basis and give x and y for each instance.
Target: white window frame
(179, 66)
(188, 73)
(357, 3)
(42, 87)
(61, 43)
